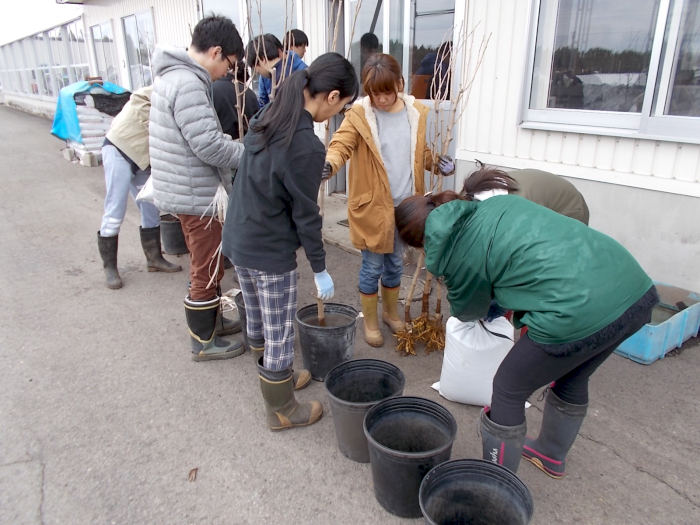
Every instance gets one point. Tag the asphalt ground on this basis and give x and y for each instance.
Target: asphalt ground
(103, 415)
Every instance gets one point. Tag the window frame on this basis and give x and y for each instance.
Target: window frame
(126, 50)
(650, 123)
(113, 50)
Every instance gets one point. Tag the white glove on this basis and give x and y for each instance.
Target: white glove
(324, 285)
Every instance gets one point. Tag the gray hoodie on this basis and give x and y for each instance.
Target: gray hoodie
(190, 155)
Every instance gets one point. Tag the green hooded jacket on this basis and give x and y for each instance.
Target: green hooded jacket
(563, 280)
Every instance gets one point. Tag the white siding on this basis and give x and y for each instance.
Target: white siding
(490, 129)
(173, 21)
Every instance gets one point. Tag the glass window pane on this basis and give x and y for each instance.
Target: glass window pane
(369, 35)
(227, 8)
(598, 56)
(278, 16)
(105, 52)
(140, 41)
(684, 99)
(430, 48)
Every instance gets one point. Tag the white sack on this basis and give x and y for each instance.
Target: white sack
(472, 356)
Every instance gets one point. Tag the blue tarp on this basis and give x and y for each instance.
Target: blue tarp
(65, 122)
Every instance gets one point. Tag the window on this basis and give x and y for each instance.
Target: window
(105, 52)
(278, 16)
(418, 33)
(59, 58)
(629, 65)
(228, 8)
(79, 62)
(140, 42)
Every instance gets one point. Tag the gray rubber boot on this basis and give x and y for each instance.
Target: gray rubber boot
(561, 422)
(206, 346)
(150, 242)
(502, 445)
(282, 409)
(108, 247)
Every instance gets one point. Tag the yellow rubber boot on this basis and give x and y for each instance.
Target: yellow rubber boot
(390, 309)
(373, 335)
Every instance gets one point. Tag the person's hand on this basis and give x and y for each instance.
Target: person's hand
(446, 165)
(324, 285)
(494, 312)
(327, 171)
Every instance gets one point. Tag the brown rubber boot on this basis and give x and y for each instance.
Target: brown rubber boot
(390, 309)
(283, 410)
(301, 377)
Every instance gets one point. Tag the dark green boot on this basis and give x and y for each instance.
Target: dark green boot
(502, 445)
(201, 320)
(282, 409)
(561, 422)
(108, 247)
(301, 377)
(150, 242)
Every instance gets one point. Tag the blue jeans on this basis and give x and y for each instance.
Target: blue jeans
(121, 181)
(387, 266)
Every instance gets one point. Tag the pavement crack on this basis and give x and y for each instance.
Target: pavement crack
(41, 503)
(641, 469)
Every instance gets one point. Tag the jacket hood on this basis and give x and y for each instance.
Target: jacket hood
(294, 62)
(254, 142)
(169, 58)
(440, 228)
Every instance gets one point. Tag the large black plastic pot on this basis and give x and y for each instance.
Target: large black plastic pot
(171, 236)
(240, 305)
(353, 388)
(324, 347)
(407, 437)
(474, 491)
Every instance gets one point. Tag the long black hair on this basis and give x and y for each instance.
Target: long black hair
(327, 73)
(485, 179)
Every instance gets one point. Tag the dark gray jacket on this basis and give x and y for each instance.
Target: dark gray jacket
(190, 155)
(272, 210)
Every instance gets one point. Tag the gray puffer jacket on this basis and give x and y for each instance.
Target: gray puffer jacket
(190, 154)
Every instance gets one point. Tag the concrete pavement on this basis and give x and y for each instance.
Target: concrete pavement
(103, 415)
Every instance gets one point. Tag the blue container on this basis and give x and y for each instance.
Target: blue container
(668, 329)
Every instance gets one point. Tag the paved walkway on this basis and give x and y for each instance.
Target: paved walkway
(103, 415)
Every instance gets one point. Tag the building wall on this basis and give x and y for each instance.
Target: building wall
(173, 22)
(644, 193)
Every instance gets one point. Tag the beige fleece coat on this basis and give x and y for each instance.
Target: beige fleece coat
(129, 129)
(370, 206)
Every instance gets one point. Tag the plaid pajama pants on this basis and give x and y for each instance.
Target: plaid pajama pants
(270, 304)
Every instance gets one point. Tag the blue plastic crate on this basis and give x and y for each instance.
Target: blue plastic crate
(654, 341)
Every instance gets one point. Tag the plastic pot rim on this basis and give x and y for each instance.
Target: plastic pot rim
(368, 404)
(411, 455)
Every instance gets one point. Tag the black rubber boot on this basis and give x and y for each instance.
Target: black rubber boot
(502, 445)
(561, 422)
(282, 409)
(150, 242)
(108, 247)
(206, 346)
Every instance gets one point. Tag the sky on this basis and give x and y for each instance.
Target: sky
(24, 17)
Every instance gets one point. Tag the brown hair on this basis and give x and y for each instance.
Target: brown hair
(411, 214)
(381, 74)
(485, 179)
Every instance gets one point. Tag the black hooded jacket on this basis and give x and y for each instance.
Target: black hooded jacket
(272, 208)
(224, 96)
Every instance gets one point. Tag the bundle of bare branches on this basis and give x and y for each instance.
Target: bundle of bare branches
(428, 328)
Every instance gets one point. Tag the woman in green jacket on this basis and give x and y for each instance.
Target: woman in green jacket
(579, 292)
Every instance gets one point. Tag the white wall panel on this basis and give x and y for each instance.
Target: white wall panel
(490, 127)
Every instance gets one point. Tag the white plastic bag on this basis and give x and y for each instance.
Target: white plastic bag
(146, 192)
(473, 353)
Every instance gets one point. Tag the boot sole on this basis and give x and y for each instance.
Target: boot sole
(114, 286)
(280, 429)
(164, 271)
(218, 357)
(236, 330)
(540, 465)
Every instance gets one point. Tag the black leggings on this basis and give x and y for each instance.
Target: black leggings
(528, 366)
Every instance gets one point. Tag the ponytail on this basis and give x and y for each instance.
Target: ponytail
(329, 72)
(411, 214)
(485, 179)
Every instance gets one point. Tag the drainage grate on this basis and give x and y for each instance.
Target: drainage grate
(345, 223)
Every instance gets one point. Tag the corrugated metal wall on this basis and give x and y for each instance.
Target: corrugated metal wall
(173, 20)
(490, 130)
